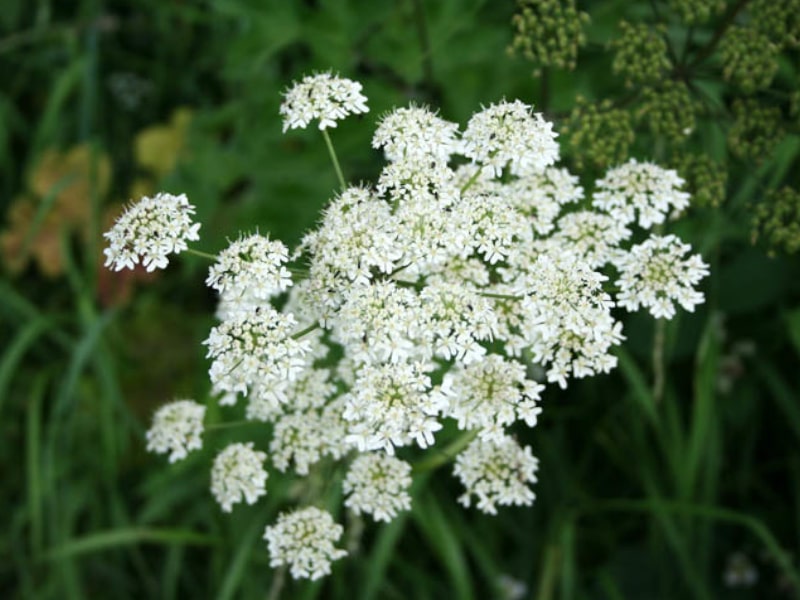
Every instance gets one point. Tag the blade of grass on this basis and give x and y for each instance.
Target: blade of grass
(105, 540)
(439, 532)
(236, 570)
(16, 349)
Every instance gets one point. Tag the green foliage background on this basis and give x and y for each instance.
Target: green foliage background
(651, 477)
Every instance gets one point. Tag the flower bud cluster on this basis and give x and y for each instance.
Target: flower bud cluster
(749, 58)
(640, 54)
(548, 32)
(599, 135)
(756, 131)
(777, 219)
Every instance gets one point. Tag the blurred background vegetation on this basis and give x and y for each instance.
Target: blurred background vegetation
(676, 476)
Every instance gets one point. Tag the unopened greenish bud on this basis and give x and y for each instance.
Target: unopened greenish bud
(749, 58)
(640, 54)
(777, 220)
(756, 130)
(669, 111)
(693, 12)
(548, 32)
(705, 178)
(598, 134)
(779, 20)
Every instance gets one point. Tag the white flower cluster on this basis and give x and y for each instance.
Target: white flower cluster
(251, 268)
(378, 484)
(430, 297)
(150, 231)
(497, 472)
(238, 474)
(324, 97)
(305, 541)
(176, 429)
(642, 189)
(655, 275)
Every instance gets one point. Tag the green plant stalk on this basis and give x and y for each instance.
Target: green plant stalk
(334, 159)
(446, 455)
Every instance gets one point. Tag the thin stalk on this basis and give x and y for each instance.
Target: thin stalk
(302, 332)
(446, 455)
(334, 159)
(471, 181)
(201, 254)
(658, 361)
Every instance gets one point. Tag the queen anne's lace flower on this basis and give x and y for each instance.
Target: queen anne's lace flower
(149, 231)
(655, 274)
(250, 268)
(455, 320)
(325, 97)
(238, 474)
(565, 316)
(389, 405)
(497, 473)
(490, 395)
(595, 237)
(642, 189)
(304, 540)
(444, 270)
(541, 196)
(254, 353)
(378, 484)
(510, 134)
(176, 429)
(416, 132)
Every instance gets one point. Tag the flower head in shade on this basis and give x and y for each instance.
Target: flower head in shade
(642, 190)
(510, 134)
(655, 275)
(497, 472)
(378, 484)
(149, 231)
(238, 474)
(324, 97)
(304, 540)
(176, 429)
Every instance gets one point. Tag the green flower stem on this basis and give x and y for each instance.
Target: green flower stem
(227, 425)
(278, 580)
(471, 181)
(658, 360)
(201, 254)
(500, 296)
(446, 455)
(302, 332)
(334, 159)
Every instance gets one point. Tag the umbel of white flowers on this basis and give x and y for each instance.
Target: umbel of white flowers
(458, 274)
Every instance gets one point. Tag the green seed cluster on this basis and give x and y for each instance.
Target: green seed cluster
(668, 111)
(749, 58)
(693, 12)
(777, 219)
(548, 32)
(779, 20)
(705, 178)
(640, 54)
(756, 130)
(598, 133)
